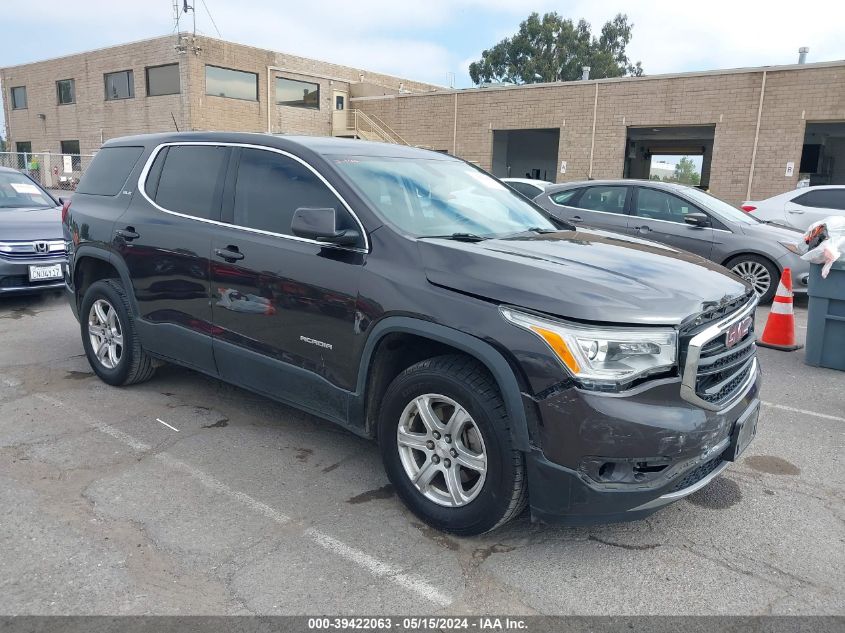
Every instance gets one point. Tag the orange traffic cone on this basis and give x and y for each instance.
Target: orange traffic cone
(779, 332)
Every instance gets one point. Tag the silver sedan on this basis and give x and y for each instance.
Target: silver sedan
(685, 218)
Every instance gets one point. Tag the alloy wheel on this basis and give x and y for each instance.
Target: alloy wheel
(442, 450)
(754, 273)
(105, 333)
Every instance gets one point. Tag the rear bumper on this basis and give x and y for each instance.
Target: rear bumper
(695, 444)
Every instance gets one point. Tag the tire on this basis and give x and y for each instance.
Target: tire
(122, 364)
(755, 269)
(450, 386)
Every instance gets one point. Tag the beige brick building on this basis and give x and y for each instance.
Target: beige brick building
(193, 83)
(756, 130)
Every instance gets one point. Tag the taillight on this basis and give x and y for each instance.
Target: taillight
(65, 208)
(748, 208)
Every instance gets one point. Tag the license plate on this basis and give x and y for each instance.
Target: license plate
(744, 431)
(42, 273)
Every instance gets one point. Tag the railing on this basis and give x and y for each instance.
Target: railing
(368, 127)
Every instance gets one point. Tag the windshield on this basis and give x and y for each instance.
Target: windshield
(428, 198)
(720, 208)
(17, 191)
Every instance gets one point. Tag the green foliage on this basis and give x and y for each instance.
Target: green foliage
(554, 48)
(686, 172)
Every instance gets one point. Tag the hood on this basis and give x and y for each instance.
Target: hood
(31, 224)
(772, 231)
(584, 275)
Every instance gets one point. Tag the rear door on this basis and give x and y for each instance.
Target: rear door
(284, 307)
(596, 206)
(659, 215)
(815, 205)
(165, 239)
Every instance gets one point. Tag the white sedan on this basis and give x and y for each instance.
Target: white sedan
(528, 187)
(801, 207)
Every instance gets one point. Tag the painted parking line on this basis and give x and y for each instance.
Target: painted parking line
(370, 563)
(783, 407)
(160, 421)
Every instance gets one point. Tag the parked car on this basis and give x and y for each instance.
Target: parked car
(32, 250)
(801, 207)
(686, 218)
(528, 187)
(501, 359)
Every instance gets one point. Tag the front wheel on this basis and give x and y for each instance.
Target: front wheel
(445, 441)
(758, 271)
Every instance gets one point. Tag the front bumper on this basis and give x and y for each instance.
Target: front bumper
(652, 426)
(14, 276)
(800, 271)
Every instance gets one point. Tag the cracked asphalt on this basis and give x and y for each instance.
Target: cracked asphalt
(253, 507)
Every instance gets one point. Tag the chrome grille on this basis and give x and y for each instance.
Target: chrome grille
(36, 249)
(715, 373)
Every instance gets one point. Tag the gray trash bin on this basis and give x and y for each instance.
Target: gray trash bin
(826, 318)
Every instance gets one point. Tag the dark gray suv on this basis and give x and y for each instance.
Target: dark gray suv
(502, 360)
(686, 218)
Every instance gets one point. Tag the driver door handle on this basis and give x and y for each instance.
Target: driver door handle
(576, 218)
(230, 253)
(642, 229)
(796, 211)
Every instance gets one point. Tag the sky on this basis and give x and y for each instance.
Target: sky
(427, 39)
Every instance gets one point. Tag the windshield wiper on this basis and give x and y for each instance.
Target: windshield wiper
(537, 229)
(458, 237)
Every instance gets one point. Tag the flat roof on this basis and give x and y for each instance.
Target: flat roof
(582, 82)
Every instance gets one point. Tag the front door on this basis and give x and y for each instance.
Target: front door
(340, 117)
(659, 215)
(284, 308)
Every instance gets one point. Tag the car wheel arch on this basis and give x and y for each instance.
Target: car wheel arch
(443, 338)
(104, 266)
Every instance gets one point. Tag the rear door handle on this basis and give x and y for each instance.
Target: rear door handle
(642, 229)
(230, 253)
(128, 233)
(576, 218)
(796, 211)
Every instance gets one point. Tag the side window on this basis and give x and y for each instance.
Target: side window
(271, 186)
(109, 171)
(565, 197)
(822, 199)
(191, 180)
(660, 205)
(610, 199)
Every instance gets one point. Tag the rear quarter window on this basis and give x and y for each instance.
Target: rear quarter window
(109, 170)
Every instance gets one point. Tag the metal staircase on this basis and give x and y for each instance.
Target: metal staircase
(370, 128)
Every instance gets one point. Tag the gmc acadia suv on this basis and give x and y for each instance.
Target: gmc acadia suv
(499, 358)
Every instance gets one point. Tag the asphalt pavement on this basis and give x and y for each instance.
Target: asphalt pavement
(185, 495)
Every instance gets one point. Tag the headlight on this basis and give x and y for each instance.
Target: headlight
(792, 247)
(599, 356)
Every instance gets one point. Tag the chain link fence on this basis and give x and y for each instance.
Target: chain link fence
(57, 172)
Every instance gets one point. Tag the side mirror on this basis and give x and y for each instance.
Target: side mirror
(697, 219)
(321, 225)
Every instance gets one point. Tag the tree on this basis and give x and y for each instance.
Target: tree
(686, 172)
(553, 48)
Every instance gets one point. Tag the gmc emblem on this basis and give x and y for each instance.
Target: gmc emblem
(738, 331)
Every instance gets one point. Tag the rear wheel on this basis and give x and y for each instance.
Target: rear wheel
(109, 337)
(445, 441)
(762, 274)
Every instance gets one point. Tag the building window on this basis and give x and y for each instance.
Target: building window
(19, 98)
(72, 148)
(163, 80)
(298, 94)
(120, 85)
(65, 91)
(235, 84)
